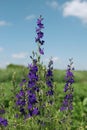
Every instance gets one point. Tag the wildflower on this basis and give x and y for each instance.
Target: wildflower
(3, 122)
(40, 35)
(50, 92)
(68, 99)
(33, 88)
(33, 77)
(20, 101)
(35, 111)
(26, 99)
(39, 22)
(41, 51)
(49, 79)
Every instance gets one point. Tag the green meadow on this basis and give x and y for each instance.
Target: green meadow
(16, 73)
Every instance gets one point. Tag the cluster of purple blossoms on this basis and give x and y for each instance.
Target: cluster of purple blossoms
(33, 77)
(20, 101)
(3, 122)
(33, 89)
(49, 79)
(68, 99)
(40, 35)
(27, 97)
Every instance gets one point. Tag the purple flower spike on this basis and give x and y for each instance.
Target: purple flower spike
(68, 99)
(3, 122)
(49, 79)
(35, 111)
(39, 20)
(26, 98)
(40, 34)
(50, 92)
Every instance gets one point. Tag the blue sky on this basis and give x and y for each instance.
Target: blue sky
(65, 31)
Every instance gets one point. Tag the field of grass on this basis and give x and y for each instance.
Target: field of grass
(80, 98)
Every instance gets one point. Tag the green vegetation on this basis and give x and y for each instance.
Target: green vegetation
(80, 98)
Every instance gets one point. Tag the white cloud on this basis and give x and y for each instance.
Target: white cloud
(76, 8)
(30, 17)
(1, 49)
(4, 23)
(21, 55)
(53, 4)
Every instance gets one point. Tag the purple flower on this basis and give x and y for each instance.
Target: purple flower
(3, 122)
(62, 108)
(32, 88)
(50, 92)
(68, 89)
(40, 35)
(69, 73)
(49, 73)
(49, 83)
(31, 84)
(26, 99)
(32, 98)
(20, 101)
(41, 51)
(33, 77)
(30, 106)
(49, 79)
(20, 94)
(35, 111)
(39, 24)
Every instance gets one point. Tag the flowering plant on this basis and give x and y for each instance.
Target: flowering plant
(37, 89)
(35, 100)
